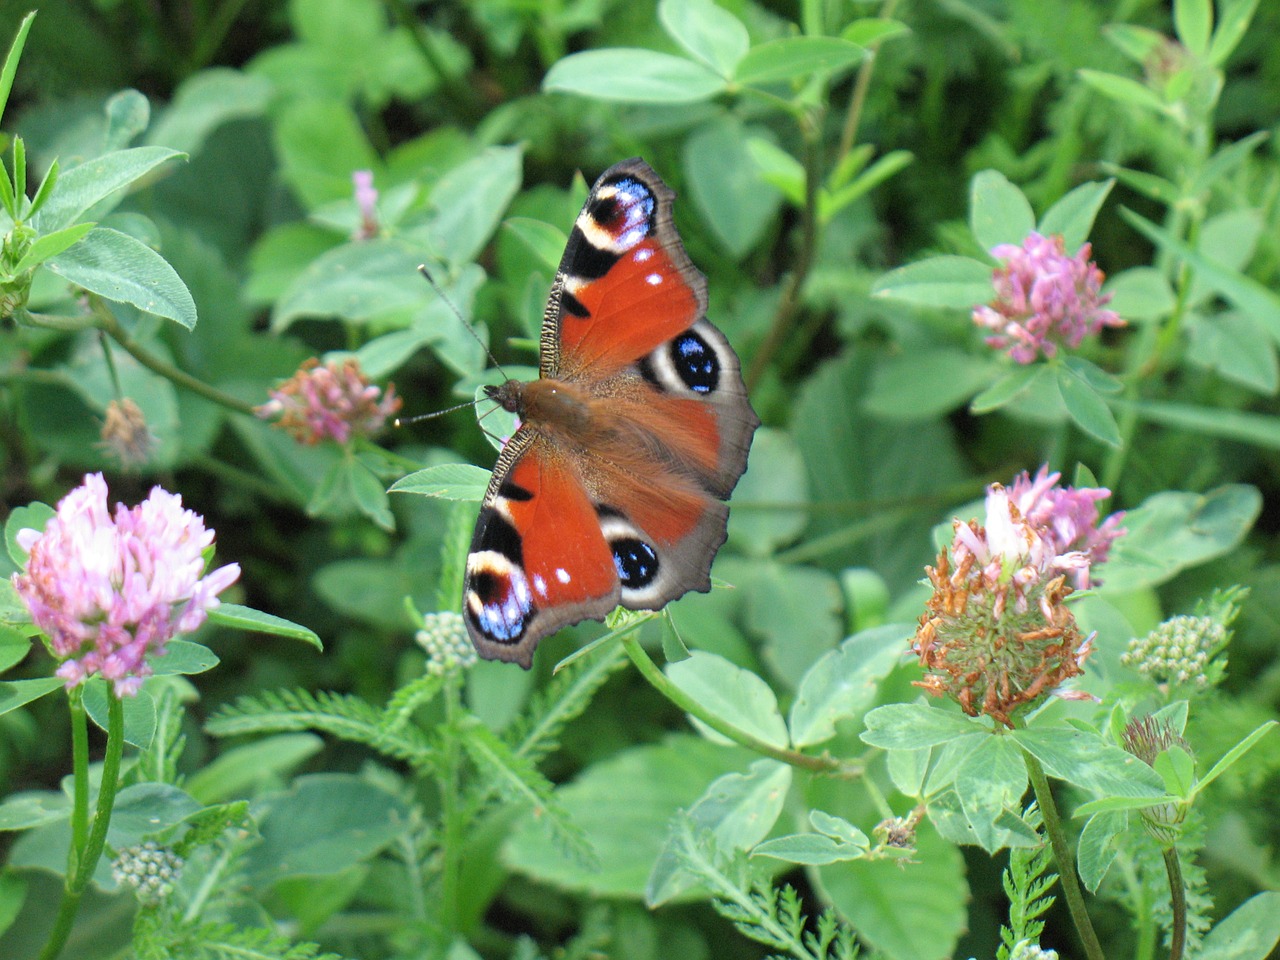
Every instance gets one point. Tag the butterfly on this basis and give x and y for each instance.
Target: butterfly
(612, 489)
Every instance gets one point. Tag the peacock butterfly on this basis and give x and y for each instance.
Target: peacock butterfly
(611, 491)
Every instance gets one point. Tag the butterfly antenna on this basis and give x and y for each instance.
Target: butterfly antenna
(422, 269)
(405, 421)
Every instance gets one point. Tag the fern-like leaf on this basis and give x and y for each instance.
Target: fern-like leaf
(1027, 882)
(224, 941)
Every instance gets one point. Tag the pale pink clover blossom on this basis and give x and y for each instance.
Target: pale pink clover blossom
(366, 197)
(108, 592)
(1044, 299)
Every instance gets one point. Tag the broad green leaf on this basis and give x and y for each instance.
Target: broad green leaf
(1123, 90)
(320, 142)
(832, 202)
(236, 617)
(734, 198)
(1089, 762)
(1242, 291)
(323, 824)
(383, 355)
(843, 682)
(448, 481)
(139, 712)
(120, 268)
(14, 646)
(1136, 43)
(360, 282)
(991, 782)
(1178, 771)
(1097, 849)
(739, 809)
(33, 516)
(1226, 161)
(624, 804)
(143, 810)
(18, 693)
(927, 383)
(1233, 21)
(1092, 375)
(89, 184)
(1073, 215)
(768, 503)
(184, 657)
(11, 59)
(706, 31)
(999, 212)
(910, 726)
(797, 609)
(128, 114)
(1009, 387)
(468, 202)
(792, 58)
(1229, 240)
(733, 694)
(1238, 348)
(50, 245)
(1157, 188)
(1250, 932)
(22, 811)
(778, 168)
(205, 101)
(1260, 429)
(239, 770)
(809, 849)
(630, 75)
(1086, 407)
(960, 282)
(45, 190)
(1193, 22)
(545, 240)
(1141, 293)
(370, 495)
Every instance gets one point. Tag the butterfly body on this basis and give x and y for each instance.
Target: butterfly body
(612, 489)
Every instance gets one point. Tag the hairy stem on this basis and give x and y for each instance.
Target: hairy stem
(1178, 903)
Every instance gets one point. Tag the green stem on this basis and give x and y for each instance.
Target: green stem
(85, 858)
(1178, 903)
(658, 680)
(80, 772)
(1062, 854)
(107, 322)
(853, 117)
(450, 813)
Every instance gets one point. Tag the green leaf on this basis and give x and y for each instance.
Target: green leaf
(120, 268)
(1226, 161)
(734, 198)
(737, 696)
(626, 827)
(14, 646)
(467, 203)
(205, 101)
(1073, 215)
(842, 683)
(1092, 375)
(809, 849)
(18, 693)
(831, 203)
(1193, 22)
(873, 31)
(1238, 348)
(1260, 429)
(546, 241)
(13, 894)
(1089, 762)
(448, 481)
(779, 597)
(1234, 754)
(7, 199)
(792, 58)
(128, 113)
(1250, 932)
(1008, 388)
(1141, 293)
(11, 59)
(22, 811)
(33, 516)
(1123, 90)
(323, 824)
(1097, 849)
(236, 617)
(770, 497)
(739, 809)
(184, 657)
(1086, 407)
(1233, 21)
(369, 495)
(45, 189)
(145, 809)
(707, 32)
(50, 245)
(139, 712)
(630, 75)
(989, 783)
(911, 726)
(360, 282)
(1178, 771)
(1242, 291)
(999, 212)
(960, 282)
(320, 142)
(92, 182)
(778, 168)
(243, 770)
(927, 383)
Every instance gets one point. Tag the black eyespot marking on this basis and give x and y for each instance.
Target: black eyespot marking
(588, 262)
(636, 562)
(645, 366)
(496, 534)
(513, 491)
(696, 362)
(572, 305)
(486, 586)
(604, 210)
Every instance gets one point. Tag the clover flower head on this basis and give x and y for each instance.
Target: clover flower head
(152, 870)
(996, 635)
(109, 590)
(1044, 299)
(331, 401)
(366, 197)
(444, 639)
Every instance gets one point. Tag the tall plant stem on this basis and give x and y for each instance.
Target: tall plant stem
(84, 858)
(1177, 904)
(1062, 854)
(861, 84)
